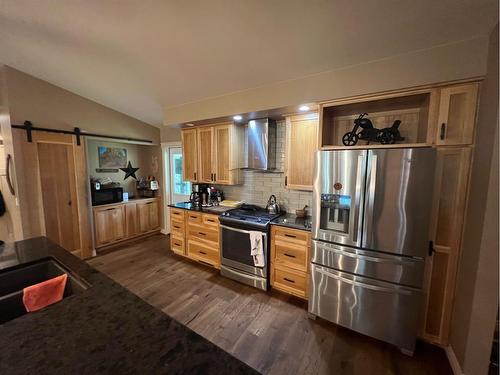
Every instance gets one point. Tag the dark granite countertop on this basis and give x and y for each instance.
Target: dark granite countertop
(292, 221)
(216, 210)
(105, 329)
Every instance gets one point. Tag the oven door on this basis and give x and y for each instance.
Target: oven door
(235, 250)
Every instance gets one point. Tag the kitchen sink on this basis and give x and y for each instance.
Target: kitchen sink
(14, 280)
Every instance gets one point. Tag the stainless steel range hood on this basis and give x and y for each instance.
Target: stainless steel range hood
(260, 145)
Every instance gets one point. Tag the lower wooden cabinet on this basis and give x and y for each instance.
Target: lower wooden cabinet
(290, 249)
(109, 225)
(195, 235)
(114, 223)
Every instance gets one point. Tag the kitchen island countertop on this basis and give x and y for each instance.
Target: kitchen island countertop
(105, 329)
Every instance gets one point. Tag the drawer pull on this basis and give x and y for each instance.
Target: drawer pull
(203, 234)
(289, 255)
(177, 227)
(202, 252)
(211, 220)
(177, 244)
(193, 217)
(289, 280)
(290, 235)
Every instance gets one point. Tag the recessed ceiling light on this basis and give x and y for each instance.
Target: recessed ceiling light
(304, 108)
(237, 118)
(189, 124)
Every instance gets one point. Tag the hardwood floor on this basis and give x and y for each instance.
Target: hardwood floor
(269, 331)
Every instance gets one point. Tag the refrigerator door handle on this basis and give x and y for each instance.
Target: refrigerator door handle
(371, 184)
(392, 289)
(356, 228)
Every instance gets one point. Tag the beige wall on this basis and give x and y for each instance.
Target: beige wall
(476, 300)
(139, 155)
(50, 106)
(170, 134)
(443, 63)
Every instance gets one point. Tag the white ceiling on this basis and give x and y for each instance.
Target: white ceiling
(140, 57)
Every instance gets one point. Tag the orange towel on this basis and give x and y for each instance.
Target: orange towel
(38, 296)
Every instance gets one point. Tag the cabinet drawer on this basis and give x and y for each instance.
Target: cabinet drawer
(290, 255)
(203, 233)
(194, 217)
(177, 227)
(294, 236)
(177, 245)
(177, 214)
(290, 281)
(203, 253)
(211, 221)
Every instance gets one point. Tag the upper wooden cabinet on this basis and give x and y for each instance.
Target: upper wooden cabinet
(457, 114)
(218, 154)
(302, 142)
(205, 154)
(189, 155)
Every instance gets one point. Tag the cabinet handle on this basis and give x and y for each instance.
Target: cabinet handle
(176, 227)
(215, 176)
(286, 180)
(289, 255)
(193, 217)
(290, 235)
(109, 209)
(195, 175)
(203, 234)
(177, 244)
(7, 175)
(289, 280)
(210, 220)
(443, 131)
(431, 248)
(202, 252)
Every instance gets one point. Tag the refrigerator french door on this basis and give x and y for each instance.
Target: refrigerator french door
(371, 212)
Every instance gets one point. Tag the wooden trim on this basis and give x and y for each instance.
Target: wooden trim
(452, 359)
(422, 89)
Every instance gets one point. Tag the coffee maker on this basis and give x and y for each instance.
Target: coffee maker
(198, 194)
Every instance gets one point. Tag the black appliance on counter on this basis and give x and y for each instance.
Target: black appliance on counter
(199, 195)
(106, 195)
(236, 261)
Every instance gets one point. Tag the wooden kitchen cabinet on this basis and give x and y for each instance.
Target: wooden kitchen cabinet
(457, 114)
(118, 222)
(109, 225)
(189, 155)
(147, 216)
(302, 142)
(213, 153)
(177, 231)
(205, 154)
(290, 249)
(450, 195)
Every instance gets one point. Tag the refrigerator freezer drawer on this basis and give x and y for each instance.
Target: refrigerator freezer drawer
(377, 309)
(373, 264)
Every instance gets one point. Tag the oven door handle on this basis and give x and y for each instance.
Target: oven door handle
(241, 230)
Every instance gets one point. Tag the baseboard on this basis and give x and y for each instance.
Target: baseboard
(452, 358)
(164, 231)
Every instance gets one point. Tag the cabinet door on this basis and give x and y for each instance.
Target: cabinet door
(143, 217)
(450, 195)
(222, 153)
(118, 222)
(457, 115)
(205, 141)
(154, 217)
(302, 140)
(103, 230)
(189, 155)
(131, 219)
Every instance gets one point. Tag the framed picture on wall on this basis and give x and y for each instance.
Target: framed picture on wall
(111, 157)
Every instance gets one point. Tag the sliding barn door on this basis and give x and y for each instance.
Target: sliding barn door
(58, 186)
(53, 190)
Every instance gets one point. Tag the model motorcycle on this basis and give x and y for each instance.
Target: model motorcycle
(368, 133)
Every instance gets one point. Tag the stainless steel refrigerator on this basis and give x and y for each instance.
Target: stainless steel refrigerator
(371, 213)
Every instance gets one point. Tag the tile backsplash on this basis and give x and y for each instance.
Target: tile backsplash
(257, 186)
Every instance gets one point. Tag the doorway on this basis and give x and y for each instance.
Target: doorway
(180, 190)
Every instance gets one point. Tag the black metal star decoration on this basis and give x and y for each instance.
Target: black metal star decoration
(129, 171)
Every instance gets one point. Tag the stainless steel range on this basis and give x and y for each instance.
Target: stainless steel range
(236, 260)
